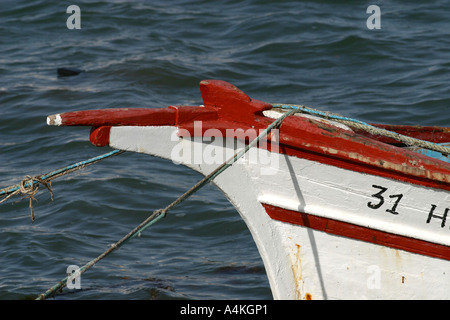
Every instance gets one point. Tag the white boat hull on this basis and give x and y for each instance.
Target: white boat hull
(305, 262)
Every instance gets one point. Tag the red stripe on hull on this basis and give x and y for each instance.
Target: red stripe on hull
(352, 231)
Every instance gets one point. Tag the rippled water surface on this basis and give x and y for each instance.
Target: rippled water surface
(153, 54)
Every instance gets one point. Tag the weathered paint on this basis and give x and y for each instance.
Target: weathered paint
(99, 136)
(115, 117)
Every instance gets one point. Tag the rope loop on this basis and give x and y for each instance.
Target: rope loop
(29, 187)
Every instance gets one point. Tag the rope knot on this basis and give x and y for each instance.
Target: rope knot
(162, 212)
(29, 186)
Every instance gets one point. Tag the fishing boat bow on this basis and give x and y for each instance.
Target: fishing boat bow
(336, 212)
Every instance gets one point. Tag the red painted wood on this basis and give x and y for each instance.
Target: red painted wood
(189, 114)
(325, 143)
(358, 153)
(352, 231)
(99, 136)
(227, 107)
(173, 115)
(231, 103)
(304, 138)
(119, 117)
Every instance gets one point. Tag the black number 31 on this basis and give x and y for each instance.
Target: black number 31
(379, 196)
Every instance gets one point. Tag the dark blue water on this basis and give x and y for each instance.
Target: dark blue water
(154, 54)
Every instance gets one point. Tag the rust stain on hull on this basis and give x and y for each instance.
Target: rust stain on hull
(296, 266)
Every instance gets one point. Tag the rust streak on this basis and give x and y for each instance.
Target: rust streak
(297, 271)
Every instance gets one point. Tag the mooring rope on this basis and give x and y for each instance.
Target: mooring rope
(410, 141)
(29, 186)
(160, 213)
